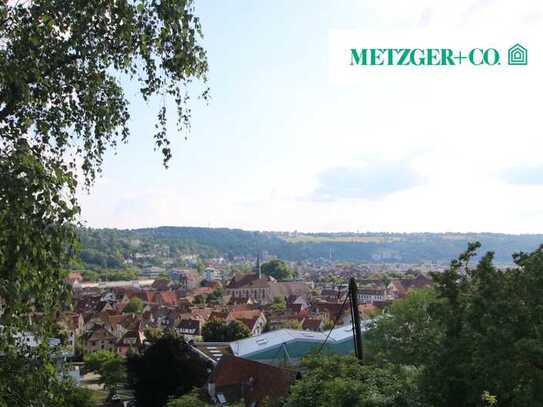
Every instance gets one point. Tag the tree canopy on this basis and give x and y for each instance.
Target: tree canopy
(197, 399)
(405, 329)
(218, 330)
(333, 380)
(134, 306)
(278, 304)
(62, 106)
(476, 336)
(278, 269)
(62, 63)
(107, 249)
(492, 328)
(471, 340)
(109, 365)
(168, 368)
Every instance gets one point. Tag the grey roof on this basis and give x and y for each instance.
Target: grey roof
(270, 340)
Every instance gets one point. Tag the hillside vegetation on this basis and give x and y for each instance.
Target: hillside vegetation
(109, 248)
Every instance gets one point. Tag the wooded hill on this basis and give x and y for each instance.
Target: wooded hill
(109, 247)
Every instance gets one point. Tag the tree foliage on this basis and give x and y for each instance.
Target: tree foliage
(216, 296)
(327, 324)
(76, 396)
(333, 380)
(200, 299)
(37, 241)
(61, 107)
(192, 399)
(405, 329)
(109, 365)
(36, 236)
(134, 306)
(108, 248)
(61, 65)
(168, 368)
(492, 332)
(196, 399)
(292, 324)
(477, 337)
(278, 304)
(29, 379)
(217, 330)
(278, 269)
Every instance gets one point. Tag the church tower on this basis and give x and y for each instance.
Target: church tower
(258, 267)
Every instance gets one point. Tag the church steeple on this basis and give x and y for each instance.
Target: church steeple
(258, 267)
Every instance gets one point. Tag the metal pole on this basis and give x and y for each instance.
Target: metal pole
(353, 292)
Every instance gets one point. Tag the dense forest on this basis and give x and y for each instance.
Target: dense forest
(111, 248)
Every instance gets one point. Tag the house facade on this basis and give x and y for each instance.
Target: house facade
(251, 285)
(371, 295)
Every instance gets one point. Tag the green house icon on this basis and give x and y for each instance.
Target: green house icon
(518, 55)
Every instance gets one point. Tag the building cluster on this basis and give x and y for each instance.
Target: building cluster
(102, 317)
(286, 320)
(321, 271)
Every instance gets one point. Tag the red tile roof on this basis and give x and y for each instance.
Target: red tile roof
(236, 377)
(202, 313)
(420, 281)
(249, 280)
(200, 291)
(218, 315)
(248, 322)
(244, 314)
(168, 298)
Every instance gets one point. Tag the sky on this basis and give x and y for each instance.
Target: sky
(284, 144)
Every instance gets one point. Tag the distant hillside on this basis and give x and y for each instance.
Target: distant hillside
(109, 247)
(409, 247)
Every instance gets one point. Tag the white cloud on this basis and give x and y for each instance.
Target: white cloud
(459, 131)
(374, 180)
